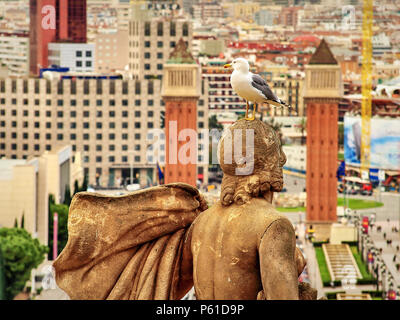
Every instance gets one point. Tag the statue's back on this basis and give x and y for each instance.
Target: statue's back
(224, 244)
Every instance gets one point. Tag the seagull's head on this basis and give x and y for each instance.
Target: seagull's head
(239, 64)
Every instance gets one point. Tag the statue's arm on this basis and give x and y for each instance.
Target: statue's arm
(278, 262)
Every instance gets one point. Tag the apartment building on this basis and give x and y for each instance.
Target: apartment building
(78, 57)
(152, 37)
(14, 53)
(106, 120)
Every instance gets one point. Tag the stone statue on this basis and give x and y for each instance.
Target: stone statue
(158, 243)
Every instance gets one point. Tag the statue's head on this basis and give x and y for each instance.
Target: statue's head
(251, 157)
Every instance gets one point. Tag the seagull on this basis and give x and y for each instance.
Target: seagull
(251, 87)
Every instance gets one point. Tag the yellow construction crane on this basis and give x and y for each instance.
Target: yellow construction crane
(366, 77)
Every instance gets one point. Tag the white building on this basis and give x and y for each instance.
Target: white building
(296, 158)
(14, 53)
(78, 57)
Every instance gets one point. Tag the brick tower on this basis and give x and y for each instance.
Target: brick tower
(323, 90)
(180, 92)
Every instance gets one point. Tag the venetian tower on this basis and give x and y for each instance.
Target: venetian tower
(180, 92)
(323, 90)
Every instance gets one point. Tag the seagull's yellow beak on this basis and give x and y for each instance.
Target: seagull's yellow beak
(228, 65)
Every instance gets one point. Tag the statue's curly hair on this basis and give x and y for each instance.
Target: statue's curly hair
(267, 159)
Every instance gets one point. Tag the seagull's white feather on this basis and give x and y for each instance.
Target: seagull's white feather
(251, 87)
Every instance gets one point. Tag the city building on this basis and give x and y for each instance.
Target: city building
(14, 50)
(54, 21)
(78, 57)
(152, 37)
(104, 118)
(323, 91)
(112, 51)
(27, 184)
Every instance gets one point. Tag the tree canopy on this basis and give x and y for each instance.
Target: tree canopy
(21, 253)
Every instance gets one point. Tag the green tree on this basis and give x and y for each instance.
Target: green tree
(341, 135)
(21, 253)
(67, 195)
(23, 220)
(62, 211)
(2, 278)
(213, 123)
(76, 187)
(85, 183)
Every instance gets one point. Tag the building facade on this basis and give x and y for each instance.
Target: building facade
(54, 21)
(78, 57)
(106, 120)
(14, 50)
(152, 38)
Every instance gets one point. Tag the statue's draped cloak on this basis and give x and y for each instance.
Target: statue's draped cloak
(127, 247)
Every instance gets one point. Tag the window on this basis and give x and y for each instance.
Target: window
(137, 125)
(48, 125)
(86, 136)
(111, 147)
(124, 136)
(79, 64)
(147, 66)
(172, 44)
(48, 102)
(137, 102)
(73, 125)
(137, 158)
(185, 30)
(99, 136)
(60, 125)
(125, 114)
(86, 88)
(73, 114)
(137, 136)
(99, 125)
(99, 147)
(111, 159)
(160, 29)
(73, 136)
(147, 44)
(150, 125)
(112, 87)
(137, 114)
(111, 114)
(147, 29)
(37, 147)
(99, 103)
(112, 125)
(88, 64)
(78, 54)
(125, 87)
(150, 113)
(150, 87)
(60, 103)
(73, 87)
(125, 103)
(159, 55)
(124, 147)
(73, 103)
(88, 54)
(86, 147)
(60, 114)
(137, 87)
(48, 136)
(125, 125)
(150, 103)
(60, 87)
(159, 66)
(172, 29)
(160, 44)
(112, 102)
(48, 113)
(111, 136)
(86, 114)
(201, 113)
(124, 159)
(86, 125)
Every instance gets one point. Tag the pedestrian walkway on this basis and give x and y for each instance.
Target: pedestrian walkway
(388, 250)
(340, 261)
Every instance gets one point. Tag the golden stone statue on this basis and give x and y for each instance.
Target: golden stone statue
(159, 242)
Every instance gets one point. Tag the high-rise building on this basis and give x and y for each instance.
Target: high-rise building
(181, 91)
(152, 37)
(54, 21)
(323, 91)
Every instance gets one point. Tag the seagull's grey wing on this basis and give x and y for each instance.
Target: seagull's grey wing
(260, 84)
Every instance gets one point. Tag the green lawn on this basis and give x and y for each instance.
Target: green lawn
(355, 204)
(323, 266)
(361, 265)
